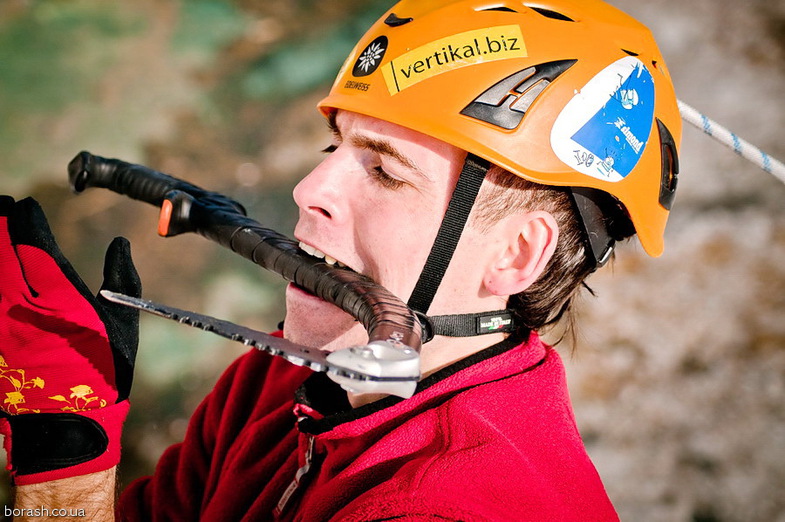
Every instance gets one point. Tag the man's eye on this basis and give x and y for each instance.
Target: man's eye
(330, 148)
(385, 180)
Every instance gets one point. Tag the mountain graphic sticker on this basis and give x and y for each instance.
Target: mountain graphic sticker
(602, 132)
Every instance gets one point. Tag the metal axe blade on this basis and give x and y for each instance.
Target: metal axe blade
(397, 376)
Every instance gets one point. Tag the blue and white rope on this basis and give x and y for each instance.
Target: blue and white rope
(740, 146)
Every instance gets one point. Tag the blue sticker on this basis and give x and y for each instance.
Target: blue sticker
(604, 129)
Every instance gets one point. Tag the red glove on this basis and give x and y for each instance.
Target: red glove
(66, 357)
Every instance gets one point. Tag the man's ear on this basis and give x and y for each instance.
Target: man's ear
(530, 241)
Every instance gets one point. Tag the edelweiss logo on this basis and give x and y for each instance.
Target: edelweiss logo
(370, 58)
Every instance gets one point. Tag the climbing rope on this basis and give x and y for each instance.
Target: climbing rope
(740, 146)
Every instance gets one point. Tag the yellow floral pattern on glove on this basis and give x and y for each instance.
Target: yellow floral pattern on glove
(18, 379)
(81, 395)
(81, 398)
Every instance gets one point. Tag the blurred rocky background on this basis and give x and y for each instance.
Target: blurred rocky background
(678, 376)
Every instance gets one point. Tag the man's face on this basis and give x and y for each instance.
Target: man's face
(374, 204)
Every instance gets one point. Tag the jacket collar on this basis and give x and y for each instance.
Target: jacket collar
(322, 406)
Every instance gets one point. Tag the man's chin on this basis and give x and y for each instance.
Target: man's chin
(313, 322)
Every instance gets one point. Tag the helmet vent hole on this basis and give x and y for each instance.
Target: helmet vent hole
(670, 166)
(394, 20)
(547, 13)
(505, 9)
(631, 53)
(505, 103)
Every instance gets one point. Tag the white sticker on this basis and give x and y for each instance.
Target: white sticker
(602, 132)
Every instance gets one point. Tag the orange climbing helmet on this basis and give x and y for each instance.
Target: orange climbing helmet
(570, 93)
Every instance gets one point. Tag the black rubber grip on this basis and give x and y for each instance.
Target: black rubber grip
(383, 315)
(223, 220)
(136, 181)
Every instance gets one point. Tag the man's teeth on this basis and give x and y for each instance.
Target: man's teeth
(310, 250)
(321, 255)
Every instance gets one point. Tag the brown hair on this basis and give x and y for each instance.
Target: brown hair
(551, 297)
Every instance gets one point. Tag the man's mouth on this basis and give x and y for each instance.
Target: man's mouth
(315, 252)
(330, 260)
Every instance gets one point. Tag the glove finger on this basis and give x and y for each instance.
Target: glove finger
(120, 274)
(28, 228)
(6, 205)
(10, 268)
(122, 322)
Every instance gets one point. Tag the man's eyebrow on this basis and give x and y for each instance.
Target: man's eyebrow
(384, 148)
(373, 144)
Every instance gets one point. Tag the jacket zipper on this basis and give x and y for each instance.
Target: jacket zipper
(294, 486)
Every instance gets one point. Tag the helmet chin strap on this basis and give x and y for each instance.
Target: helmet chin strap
(458, 210)
(601, 219)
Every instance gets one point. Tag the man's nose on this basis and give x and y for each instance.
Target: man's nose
(324, 191)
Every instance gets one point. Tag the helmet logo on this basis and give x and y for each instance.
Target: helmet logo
(603, 131)
(370, 58)
(628, 98)
(453, 52)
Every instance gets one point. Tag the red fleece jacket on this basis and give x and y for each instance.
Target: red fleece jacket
(492, 437)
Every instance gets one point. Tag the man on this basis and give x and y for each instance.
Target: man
(485, 157)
